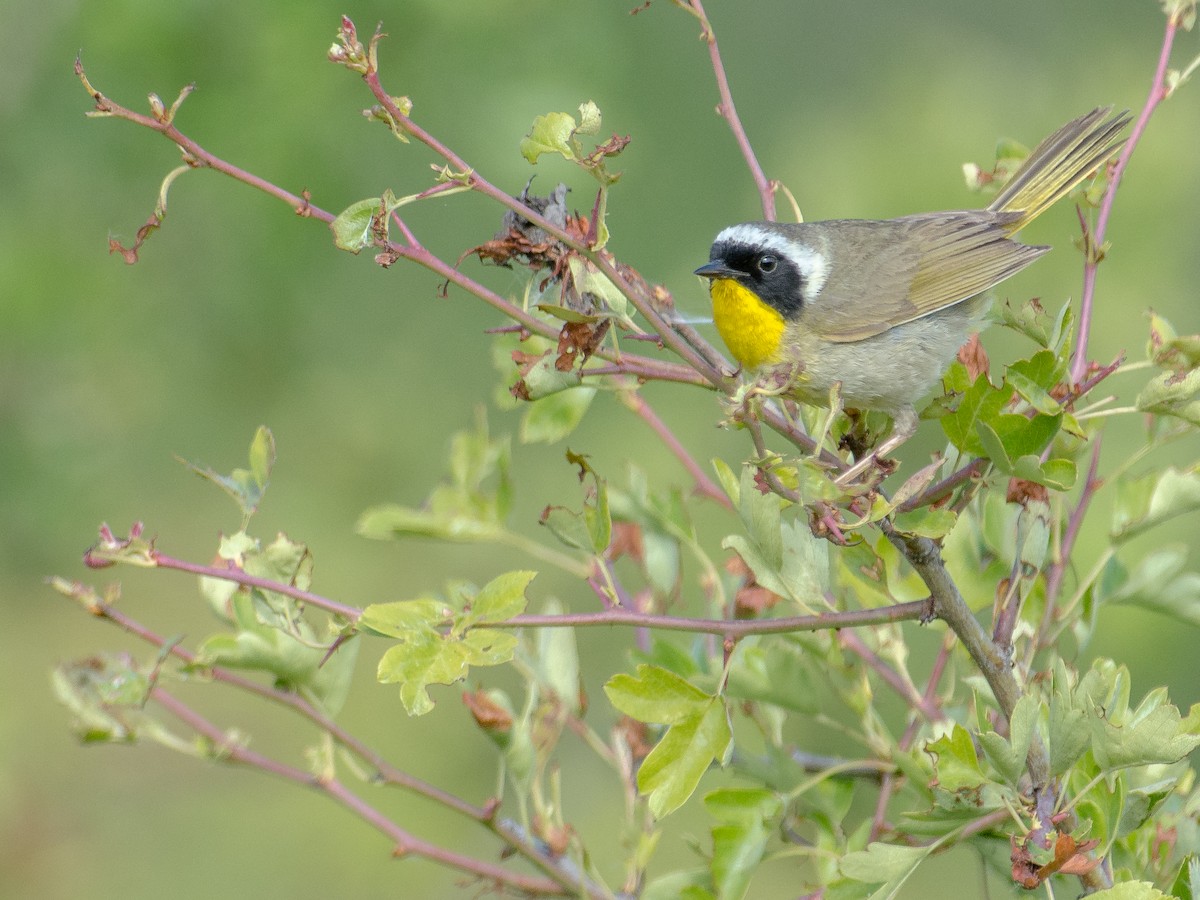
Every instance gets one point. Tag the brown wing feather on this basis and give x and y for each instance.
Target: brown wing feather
(948, 258)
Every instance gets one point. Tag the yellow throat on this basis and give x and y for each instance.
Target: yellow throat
(752, 330)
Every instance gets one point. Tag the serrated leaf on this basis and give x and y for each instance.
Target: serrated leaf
(955, 764)
(1068, 732)
(589, 118)
(1008, 756)
(981, 403)
(1034, 378)
(425, 657)
(402, 618)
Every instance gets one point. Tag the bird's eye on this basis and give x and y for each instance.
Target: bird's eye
(767, 264)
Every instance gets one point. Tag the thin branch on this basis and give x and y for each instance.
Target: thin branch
(728, 111)
(385, 772)
(406, 843)
(898, 683)
(198, 157)
(641, 301)
(704, 485)
(735, 629)
(232, 573)
(1158, 93)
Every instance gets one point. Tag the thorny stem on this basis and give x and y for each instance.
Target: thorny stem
(1158, 93)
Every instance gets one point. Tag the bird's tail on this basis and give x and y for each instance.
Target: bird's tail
(1059, 163)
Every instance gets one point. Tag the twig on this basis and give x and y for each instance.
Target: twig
(405, 843)
(736, 629)
(901, 685)
(1158, 93)
(385, 772)
(704, 485)
(727, 111)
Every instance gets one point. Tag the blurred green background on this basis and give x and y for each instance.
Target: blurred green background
(240, 314)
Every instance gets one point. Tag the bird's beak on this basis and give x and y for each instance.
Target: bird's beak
(717, 269)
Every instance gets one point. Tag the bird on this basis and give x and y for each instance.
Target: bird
(881, 306)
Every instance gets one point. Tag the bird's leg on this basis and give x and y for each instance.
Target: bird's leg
(904, 426)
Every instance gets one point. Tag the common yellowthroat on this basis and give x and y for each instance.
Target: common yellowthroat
(881, 306)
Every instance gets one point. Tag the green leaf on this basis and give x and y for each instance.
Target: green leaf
(746, 817)
(656, 695)
(550, 419)
(926, 521)
(1034, 378)
(471, 504)
(556, 660)
(1159, 583)
(590, 280)
(544, 378)
(779, 674)
(956, 767)
(353, 228)
(883, 863)
(1187, 882)
(672, 771)
(402, 618)
(1008, 756)
(981, 403)
(1068, 731)
(108, 696)
(1015, 452)
(1142, 503)
(785, 558)
(1172, 394)
(1130, 890)
(589, 118)
(245, 486)
(500, 599)
(550, 133)
(422, 658)
(1154, 732)
(698, 734)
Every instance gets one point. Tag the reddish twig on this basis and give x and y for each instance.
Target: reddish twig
(405, 843)
(728, 111)
(1158, 93)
